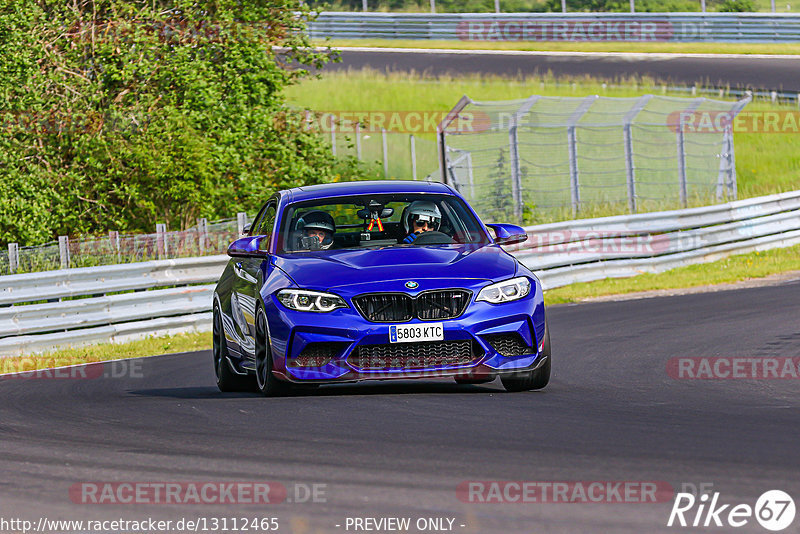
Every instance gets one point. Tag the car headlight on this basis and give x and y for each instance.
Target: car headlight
(505, 291)
(310, 301)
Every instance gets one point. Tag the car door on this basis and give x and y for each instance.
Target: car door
(250, 274)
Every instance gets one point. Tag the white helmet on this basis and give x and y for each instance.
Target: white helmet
(422, 210)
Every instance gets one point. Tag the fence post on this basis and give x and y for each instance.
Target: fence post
(333, 134)
(161, 240)
(13, 257)
(726, 179)
(113, 238)
(572, 147)
(358, 141)
(630, 170)
(385, 153)
(681, 142)
(241, 221)
(682, 164)
(513, 154)
(516, 181)
(63, 250)
(412, 140)
(202, 234)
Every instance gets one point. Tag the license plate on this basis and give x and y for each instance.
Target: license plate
(408, 333)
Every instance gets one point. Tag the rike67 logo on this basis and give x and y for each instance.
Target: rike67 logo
(774, 510)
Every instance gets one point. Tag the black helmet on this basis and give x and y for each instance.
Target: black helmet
(320, 220)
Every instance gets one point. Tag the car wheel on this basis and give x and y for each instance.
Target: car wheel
(227, 380)
(535, 379)
(266, 382)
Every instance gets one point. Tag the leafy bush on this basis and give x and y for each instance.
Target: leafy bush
(117, 114)
(737, 6)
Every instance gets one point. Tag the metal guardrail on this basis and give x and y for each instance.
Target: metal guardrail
(629, 27)
(112, 303)
(614, 247)
(33, 319)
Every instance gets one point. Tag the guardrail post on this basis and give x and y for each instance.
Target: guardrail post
(161, 240)
(412, 140)
(202, 234)
(385, 153)
(13, 257)
(241, 222)
(63, 251)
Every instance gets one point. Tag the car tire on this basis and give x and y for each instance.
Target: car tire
(266, 383)
(227, 380)
(535, 379)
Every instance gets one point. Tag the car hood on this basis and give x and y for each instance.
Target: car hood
(356, 267)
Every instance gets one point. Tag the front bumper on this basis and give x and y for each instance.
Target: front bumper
(342, 346)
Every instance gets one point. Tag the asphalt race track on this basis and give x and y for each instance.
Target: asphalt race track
(760, 72)
(400, 449)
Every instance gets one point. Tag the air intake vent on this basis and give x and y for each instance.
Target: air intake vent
(433, 305)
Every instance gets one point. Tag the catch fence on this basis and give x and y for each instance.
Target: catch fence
(518, 159)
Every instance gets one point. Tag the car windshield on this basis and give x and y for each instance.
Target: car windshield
(385, 220)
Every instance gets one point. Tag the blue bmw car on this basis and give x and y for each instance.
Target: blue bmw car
(373, 281)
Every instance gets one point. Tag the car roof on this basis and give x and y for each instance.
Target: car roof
(312, 192)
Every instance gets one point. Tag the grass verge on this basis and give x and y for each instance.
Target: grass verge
(576, 46)
(732, 269)
(109, 351)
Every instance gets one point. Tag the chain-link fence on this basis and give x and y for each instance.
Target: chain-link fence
(521, 158)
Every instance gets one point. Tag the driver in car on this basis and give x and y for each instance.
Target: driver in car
(422, 216)
(317, 225)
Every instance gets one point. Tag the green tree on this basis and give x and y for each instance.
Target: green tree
(117, 114)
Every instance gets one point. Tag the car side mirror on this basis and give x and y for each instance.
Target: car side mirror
(247, 247)
(508, 234)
